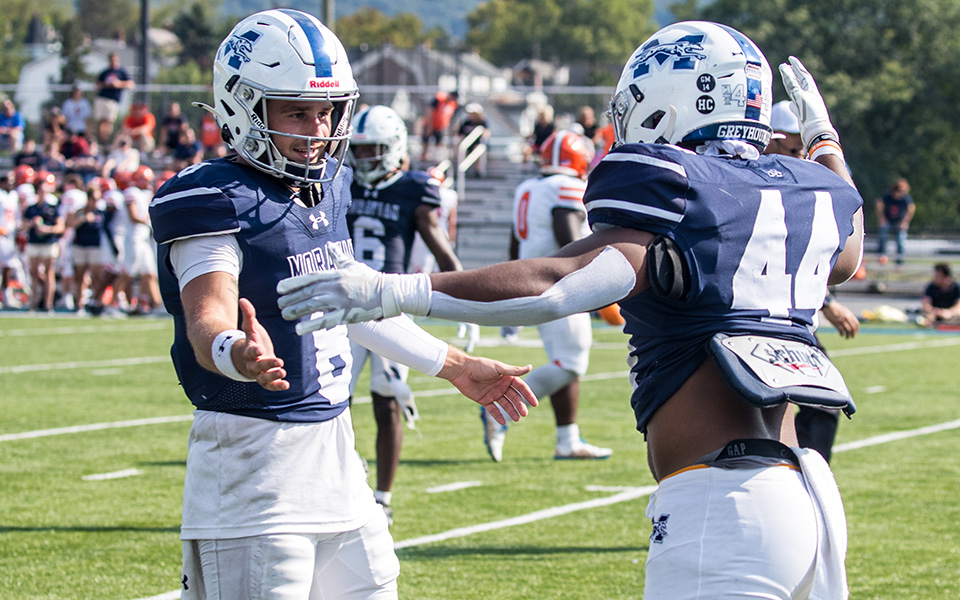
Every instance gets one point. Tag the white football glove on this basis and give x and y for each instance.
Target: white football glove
(807, 104)
(350, 293)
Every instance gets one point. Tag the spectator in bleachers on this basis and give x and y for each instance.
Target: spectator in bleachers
(542, 129)
(210, 138)
(588, 123)
(140, 124)
(29, 155)
(173, 122)
(76, 110)
(188, 150)
(437, 121)
(53, 159)
(84, 156)
(475, 118)
(54, 128)
(111, 83)
(123, 158)
(11, 127)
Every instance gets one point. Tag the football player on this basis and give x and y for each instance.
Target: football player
(548, 214)
(276, 503)
(719, 257)
(390, 206)
(9, 260)
(140, 255)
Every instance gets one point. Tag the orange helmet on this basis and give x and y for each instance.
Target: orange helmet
(123, 179)
(44, 177)
(565, 153)
(24, 174)
(104, 183)
(143, 177)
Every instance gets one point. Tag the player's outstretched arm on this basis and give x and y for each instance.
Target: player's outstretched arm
(588, 274)
(212, 309)
(822, 144)
(487, 381)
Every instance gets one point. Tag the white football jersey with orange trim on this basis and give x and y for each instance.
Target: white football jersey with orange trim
(533, 205)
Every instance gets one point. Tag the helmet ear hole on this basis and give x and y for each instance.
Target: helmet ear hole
(653, 120)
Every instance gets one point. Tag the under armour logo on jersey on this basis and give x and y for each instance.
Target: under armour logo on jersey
(317, 220)
(685, 53)
(184, 582)
(774, 173)
(238, 48)
(659, 529)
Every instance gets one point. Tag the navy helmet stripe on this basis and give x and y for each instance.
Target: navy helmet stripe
(322, 61)
(363, 121)
(750, 50)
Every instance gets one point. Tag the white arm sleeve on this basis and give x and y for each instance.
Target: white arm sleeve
(401, 340)
(608, 278)
(195, 256)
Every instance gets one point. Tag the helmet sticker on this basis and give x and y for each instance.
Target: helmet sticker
(685, 52)
(705, 105)
(238, 48)
(706, 83)
(733, 95)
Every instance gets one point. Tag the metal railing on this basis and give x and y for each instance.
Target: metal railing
(465, 160)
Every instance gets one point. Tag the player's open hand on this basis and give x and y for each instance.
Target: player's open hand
(259, 360)
(488, 382)
(807, 103)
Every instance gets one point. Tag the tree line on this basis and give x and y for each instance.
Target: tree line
(884, 66)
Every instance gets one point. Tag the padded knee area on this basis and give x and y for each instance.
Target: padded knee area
(544, 381)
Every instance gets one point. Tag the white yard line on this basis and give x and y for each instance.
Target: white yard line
(114, 475)
(84, 364)
(9, 437)
(83, 329)
(539, 515)
(897, 435)
(453, 487)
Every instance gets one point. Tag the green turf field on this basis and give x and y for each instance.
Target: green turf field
(529, 527)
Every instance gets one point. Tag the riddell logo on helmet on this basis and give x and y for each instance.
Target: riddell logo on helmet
(324, 83)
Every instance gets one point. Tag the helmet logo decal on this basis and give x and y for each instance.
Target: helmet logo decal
(733, 95)
(238, 48)
(685, 52)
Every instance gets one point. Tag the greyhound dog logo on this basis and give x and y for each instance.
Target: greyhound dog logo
(238, 48)
(684, 53)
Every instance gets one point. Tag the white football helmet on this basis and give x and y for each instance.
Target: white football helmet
(282, 54)
(381, 127)
(691, 82)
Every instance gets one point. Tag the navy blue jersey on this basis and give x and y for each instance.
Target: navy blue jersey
(383, 220)
(48, 213)
(278, 238)
(759, 238)
(88, 233)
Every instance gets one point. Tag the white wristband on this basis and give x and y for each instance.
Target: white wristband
(222, 357)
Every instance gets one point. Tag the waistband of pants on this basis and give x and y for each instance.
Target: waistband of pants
(735, 449)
